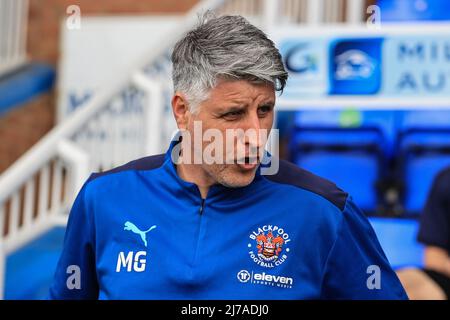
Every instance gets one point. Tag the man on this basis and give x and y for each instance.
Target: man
(433, 280)
(169, 227)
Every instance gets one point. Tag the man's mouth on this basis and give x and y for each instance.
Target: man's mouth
(248, 163)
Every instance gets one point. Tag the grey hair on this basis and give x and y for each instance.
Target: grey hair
(226, 47)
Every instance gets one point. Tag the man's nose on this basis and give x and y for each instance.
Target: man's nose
(253, 127)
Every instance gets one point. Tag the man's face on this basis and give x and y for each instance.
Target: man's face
(234, 105)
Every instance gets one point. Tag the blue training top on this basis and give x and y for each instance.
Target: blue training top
(141, 232)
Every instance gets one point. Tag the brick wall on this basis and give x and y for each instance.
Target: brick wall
(46, 15)
(24, 126)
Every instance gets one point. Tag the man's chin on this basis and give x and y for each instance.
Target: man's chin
(240, 177)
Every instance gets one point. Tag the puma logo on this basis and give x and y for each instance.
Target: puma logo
(131, 227)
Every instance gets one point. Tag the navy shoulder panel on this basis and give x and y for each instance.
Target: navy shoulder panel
(442, 179)
(289, 173)
(147, 163)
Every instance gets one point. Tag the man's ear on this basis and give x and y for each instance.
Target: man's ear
(180, 109)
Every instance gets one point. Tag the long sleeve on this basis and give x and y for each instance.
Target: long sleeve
(75, 276)
(356, 267)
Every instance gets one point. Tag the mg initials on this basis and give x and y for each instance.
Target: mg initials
(136, 263)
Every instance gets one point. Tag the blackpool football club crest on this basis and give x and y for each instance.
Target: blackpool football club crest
(269, 246)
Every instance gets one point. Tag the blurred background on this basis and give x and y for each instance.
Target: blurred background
(85, 86)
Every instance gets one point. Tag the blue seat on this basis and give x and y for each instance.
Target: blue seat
(385, 121)
(350, 157)
(424, 149)
(355, 172)
(419, 171)
(424, 119)
(398, 240)
(326, 136)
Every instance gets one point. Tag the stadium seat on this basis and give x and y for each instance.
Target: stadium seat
(424, 149)
(420, 172)
(398, 240)
(359, 144)
(350, 157)
(383, 120)
(425, 119)
(423, 154)
(354, 172)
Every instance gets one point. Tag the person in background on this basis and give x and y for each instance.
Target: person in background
(433, 280)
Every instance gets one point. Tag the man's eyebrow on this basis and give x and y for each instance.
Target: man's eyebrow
(267, 103)
(232, 108)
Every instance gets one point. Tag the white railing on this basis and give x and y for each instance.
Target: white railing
(126, 120)
(40, 187)
(13, 34)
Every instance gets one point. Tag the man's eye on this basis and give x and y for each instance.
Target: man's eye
(264, 110)
(232, 114)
